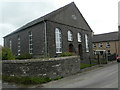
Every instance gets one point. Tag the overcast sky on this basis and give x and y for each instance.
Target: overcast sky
(101, 15)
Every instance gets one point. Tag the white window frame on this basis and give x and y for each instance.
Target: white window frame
(30, 43)
(10, 42)
(70, 36)
(58, 40)
(100, 45)
(86, 43)
(19, 45)
(94, 45)
(107, 44)
(79, 37)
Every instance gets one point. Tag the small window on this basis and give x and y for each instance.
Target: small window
(100, 45)
(79, 37)
(94, 52)
(108, 52)
(107, 45)
(70, 37)
(94, 45)
(58, 40)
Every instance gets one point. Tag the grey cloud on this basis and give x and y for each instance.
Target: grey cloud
(15, 14)
(21, 13)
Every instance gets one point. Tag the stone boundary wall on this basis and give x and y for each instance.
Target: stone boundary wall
(53, 67)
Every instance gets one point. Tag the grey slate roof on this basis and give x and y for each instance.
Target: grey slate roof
(112, 36)
(43, 18)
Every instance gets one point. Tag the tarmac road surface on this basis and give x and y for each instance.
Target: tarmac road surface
(103, 77)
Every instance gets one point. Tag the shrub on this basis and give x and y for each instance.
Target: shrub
(24, 56)
(66, 54)
(7, 54)
(26, 80)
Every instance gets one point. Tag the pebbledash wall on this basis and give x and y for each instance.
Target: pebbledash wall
(52, 68)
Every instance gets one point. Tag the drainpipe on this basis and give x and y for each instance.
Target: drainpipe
(45, 38)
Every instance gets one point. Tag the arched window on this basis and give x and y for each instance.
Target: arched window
(79, 37)
(70, 37)
(58, 40)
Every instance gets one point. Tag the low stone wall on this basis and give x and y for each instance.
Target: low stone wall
(52, 68)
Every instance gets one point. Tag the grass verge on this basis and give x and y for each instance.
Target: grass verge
(27, 80)
(82, 65)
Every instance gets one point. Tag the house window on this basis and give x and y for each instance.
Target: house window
(100, 45)
(94, 45)
(58, 40)
(79, 37)
(30, 43)
(108, 52)
(70, 37)
(94, 52)
(86, 43)
(10, 42)
(18, 45)
(107, 45)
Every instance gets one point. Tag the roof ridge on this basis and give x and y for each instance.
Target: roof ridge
(106, 33)
(42, 18)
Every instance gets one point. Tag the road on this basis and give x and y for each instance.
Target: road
(103, 77)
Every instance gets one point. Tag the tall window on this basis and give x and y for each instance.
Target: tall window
(10, 44)
(86, 43)
(30, 43)
(79, 37)
(70, 37)
(58, 40)
(18, 45)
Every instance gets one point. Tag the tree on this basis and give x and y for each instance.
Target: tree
(7, 54)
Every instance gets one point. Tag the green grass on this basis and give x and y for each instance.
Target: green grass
(27, 80)
(64, 54)
(82, 65)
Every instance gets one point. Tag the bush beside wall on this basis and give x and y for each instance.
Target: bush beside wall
(7, 54)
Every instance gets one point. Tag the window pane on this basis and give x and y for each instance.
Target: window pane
(58, 40)
(79, 37)
(70, 38)
(86, 42)
(30, 43)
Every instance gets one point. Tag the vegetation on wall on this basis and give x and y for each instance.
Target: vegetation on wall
(24, 56)
(67, 54)
(7, 54)
(26, 80)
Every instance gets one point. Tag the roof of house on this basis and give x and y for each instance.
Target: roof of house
(47, 17)
(112, 36)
